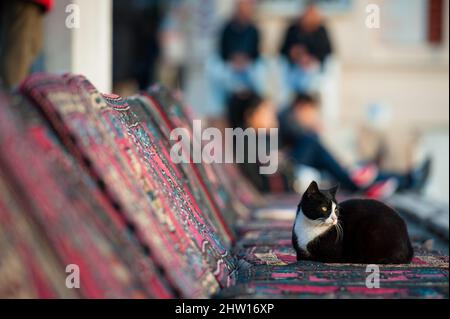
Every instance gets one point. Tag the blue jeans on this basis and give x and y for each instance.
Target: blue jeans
(223, 81)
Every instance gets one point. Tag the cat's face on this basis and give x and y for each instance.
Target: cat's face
(320, 205)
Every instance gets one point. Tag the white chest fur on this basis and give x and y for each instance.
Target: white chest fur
(307, 230)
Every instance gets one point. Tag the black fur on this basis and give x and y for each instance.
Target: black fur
(373, 233)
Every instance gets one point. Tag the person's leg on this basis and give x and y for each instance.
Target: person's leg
(309, 151)
(21, 39)
(412, 180)
(404, 180)
(259, 76)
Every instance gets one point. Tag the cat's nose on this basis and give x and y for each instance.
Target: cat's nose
(334, 219)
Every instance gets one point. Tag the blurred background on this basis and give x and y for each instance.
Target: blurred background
(378, 69)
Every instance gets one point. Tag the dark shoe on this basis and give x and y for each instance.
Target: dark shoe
(420, 175)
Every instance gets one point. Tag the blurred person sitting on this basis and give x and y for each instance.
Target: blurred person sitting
(248, 110)
(239, 41)
(305, 49)
(300, 134)
(298, 131)
(21, 37)
(237, 66)
(307, 39)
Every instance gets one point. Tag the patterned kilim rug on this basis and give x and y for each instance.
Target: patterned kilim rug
(28, 267)
(269, 269)
(163, 221)
(168, 112)
(270, 272)
(427, 277)
(143, 185)
(65, 211)
(174, 196)
(223, 183)
(141, 108)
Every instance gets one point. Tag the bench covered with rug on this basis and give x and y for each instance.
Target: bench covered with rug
(86, 179)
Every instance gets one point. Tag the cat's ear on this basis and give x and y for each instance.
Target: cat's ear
(333, 191)
(313, 188)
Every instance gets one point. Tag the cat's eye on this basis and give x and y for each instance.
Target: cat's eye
(324, 209)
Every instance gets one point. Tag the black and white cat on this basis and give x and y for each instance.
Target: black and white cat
(355, 231)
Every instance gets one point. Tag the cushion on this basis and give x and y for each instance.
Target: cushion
(50, 182)
(188, 174)
(75, 115)
(165, 110)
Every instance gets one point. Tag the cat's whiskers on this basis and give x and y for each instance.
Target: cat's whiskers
(339, 232)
